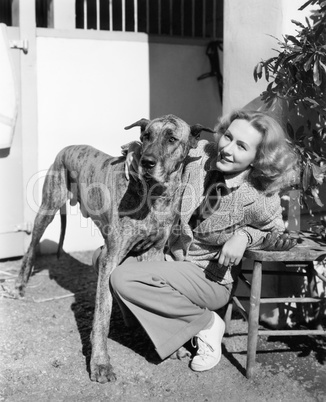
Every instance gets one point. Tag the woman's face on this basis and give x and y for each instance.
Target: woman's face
(237, 147)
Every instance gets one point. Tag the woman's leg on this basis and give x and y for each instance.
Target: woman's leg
(171, 300)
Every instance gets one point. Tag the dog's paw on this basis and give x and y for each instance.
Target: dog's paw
(19, 291)
(103, 373)
(11, 292)
(181, 353)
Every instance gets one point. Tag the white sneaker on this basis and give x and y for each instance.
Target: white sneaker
(209, 343)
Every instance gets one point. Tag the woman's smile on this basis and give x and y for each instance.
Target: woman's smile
(225, 159)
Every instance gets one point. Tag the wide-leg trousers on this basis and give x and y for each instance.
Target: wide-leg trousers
(171, 300)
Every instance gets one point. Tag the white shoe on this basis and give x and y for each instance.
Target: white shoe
(209, 343)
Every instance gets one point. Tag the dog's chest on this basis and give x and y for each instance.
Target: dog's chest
(153, 218)
(161, 214)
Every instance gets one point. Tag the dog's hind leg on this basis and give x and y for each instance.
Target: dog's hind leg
(40, 224)
(54, 197)
(63, 219)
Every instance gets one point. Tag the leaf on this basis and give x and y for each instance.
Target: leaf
(312, 101)
(297, 23)
(316, 74)
(318, 172)
(258, 71)
(270, 60)
(266, 72)
(319, 30)
(304, 201)
(255, 74)
(289, 130)
(308, 63)
(322, 65)
(293, 40)
(315, 194)
(305, 5)
(269, 87)
(300, 133)
(306, 178)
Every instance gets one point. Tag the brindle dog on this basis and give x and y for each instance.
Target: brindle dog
(126, 212)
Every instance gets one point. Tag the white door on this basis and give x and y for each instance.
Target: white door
(12, 223)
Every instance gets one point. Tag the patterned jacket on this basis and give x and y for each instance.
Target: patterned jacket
(243, 207)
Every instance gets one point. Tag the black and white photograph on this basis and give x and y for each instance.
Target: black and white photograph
(163, 200)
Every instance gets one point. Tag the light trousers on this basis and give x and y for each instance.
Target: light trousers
(171, 300)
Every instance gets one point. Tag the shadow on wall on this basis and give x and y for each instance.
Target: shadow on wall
(4, 152)
(174, 87)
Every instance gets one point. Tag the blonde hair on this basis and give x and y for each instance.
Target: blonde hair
(276, 163)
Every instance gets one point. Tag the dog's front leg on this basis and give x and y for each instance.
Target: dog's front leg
(101, 369)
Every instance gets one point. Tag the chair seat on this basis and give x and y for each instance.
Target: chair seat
(309, 248)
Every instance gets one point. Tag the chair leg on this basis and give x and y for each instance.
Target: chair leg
(253, 321)
(227, 317)
(317, 313)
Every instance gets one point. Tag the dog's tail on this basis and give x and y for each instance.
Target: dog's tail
(63, 218)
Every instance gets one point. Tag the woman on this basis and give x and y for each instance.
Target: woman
(230, 200)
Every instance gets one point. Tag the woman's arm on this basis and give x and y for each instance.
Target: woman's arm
(266, 219)
(232, 251)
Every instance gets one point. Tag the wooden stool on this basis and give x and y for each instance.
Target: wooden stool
(304, 253)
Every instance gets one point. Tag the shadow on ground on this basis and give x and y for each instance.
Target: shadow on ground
(81, 280)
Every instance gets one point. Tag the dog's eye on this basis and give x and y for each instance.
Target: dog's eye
(172, 140)
(145, 136)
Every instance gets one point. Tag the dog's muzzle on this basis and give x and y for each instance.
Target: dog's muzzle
(147, 164)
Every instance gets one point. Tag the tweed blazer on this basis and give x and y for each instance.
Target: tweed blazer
(243, 207)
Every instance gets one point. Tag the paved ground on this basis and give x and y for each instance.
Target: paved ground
(44, 350)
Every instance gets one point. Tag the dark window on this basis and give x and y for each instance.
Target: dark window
(194, 18)
(191, 18)
(5, 12)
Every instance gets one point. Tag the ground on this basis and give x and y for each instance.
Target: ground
(44, 350)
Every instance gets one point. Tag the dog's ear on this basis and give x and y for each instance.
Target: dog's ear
(195, 131)
(142, 123)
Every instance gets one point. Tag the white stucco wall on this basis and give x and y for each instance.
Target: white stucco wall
(250, 29)
(88, 91)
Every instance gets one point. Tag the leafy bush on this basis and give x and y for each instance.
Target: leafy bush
(297, 78)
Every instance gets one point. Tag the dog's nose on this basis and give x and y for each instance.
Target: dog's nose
(148, 162)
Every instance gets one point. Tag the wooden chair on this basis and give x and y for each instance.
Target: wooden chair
(302, 255)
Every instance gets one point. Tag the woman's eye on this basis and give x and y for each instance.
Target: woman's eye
(242, 147)
(227, 136)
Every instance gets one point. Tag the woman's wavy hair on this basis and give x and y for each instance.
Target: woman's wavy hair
(276, 163)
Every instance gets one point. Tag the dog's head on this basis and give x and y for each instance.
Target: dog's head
(166, 142)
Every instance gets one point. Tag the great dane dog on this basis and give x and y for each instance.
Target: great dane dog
(125, 211)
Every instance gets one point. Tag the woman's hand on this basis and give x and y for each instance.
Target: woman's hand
(132, 153)
(233, 250)
(276, 241)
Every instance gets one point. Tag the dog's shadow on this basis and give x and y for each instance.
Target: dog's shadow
(81, 280)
